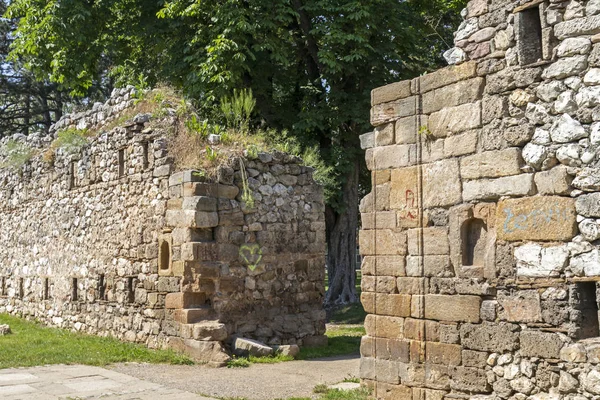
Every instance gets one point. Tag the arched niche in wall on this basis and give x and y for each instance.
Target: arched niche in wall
(165, 255)
(474, 242)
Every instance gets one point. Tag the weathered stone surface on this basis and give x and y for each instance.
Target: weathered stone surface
(491, 164)
(447, 76)
(540, 344)
(404, 196)
(536, 218)
(565, 67)
(384, 135)
(244, 346)
(407, 130)
(452, 308)
(588, 205)
(490, 189)
(574, 46)
(468, 91)
(388, 157)
(441, 184)
(468, 379)
(391, 92)
(534, 260)
(391, 111)
(461, 144)
(451, 120)
(490, 337)
(554, 181)
(367, 140)
(566, 129)
(523, 306)
(586, 264)
(440, 353)
(287, 350)
(576, 27)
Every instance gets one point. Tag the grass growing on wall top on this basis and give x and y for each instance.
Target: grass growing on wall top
(32, 344)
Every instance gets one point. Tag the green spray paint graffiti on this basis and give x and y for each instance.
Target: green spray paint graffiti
(251, 255)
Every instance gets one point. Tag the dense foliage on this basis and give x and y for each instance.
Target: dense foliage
(310, 63)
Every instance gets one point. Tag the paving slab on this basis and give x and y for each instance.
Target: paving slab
(257, 382)
(62, 382)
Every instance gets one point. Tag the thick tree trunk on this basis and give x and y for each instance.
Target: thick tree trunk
(341, 244)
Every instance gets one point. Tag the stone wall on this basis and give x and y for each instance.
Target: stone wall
(480, 235)
(111, 240)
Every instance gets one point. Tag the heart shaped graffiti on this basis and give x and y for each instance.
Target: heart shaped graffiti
(251, 255)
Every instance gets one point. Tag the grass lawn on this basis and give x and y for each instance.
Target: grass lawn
(32, 344)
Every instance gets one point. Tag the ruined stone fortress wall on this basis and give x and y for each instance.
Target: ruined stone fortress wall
(113, 241)
(480, 236)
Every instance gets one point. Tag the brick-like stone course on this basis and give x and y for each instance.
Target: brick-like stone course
(492, 173)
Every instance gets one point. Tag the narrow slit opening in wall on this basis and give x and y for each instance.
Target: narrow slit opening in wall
(21, 288)
(74, 294)
(101, 287)
(46, 290)
(474, 235)
(2, 286)
(130, 289)
(145, 156)
(586, 302)
(529, 36)
(121, 162)
(165, 256)
(72, 175)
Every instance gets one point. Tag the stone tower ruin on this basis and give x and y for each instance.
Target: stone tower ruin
(112, 239)
(481, 234)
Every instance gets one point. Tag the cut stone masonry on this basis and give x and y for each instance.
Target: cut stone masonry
(480, 235)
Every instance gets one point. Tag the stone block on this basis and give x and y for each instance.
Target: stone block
(438, 266)
(368, 302)
(540, 344)
(182, 177)
(382, 242)
(407, 285)
(468, 380)
(389, 327)
(404, 196)
(441, 184)
(442, 353)
(412, 374)
(390, 265)
(209, 330)
(407, 128)
(494, 107)
(468, 91)
(492, 189)
(491, 164)
(386, 284)
(491, 337)
(366, 368)
(387, 371)
(447, 76)
(475, 359)
(451, 120)
(390, 157)
(395, 305)
(555, 181)
(428, 241)
(537, 218)
(367, 346)
(577, 27)
(367, 140)
(184, 300)
(393, 110)
(462, 144)
(384, 135)
(449, 333)
(414, 329)
(521, 306)
(391, 92)
(379, 220)
(385, 391)
(588, 205)
(455, 308)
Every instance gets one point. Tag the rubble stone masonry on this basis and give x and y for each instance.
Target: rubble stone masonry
(481, 234)
(113, 241)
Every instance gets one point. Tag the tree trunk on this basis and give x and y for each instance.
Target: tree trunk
(341, 244)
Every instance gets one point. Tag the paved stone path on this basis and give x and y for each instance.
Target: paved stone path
(258, 382)
(82, 382)
(135, 381)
